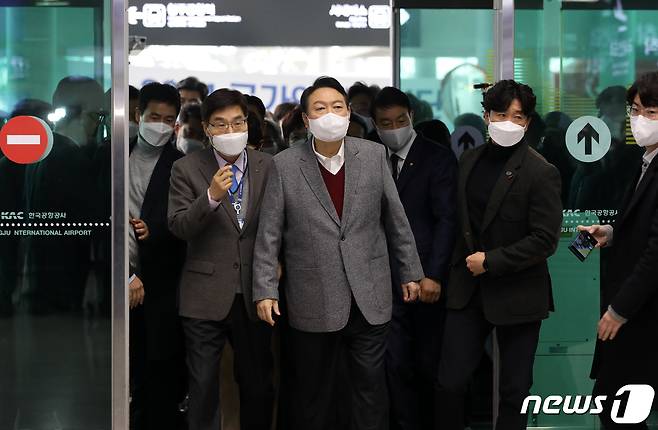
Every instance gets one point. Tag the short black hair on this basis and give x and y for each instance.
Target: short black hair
(359, 88)
(646, 87)
(221, 99)
(133, 93)
(190, 111)
(255, 131)
(389, 97)
(359, 120)
(191, 83)
(282, 110)
(614, 95)
(435, 130)
(257, 104)
(499, 97)
(321, 82)
(292, 121)
(157, 92)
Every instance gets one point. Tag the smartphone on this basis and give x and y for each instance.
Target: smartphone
(583, 245)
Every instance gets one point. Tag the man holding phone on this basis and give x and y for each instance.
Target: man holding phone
(214, 205)
(626, 350)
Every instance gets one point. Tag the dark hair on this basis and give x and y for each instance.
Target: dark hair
(359, 120)
(193, 84)
(133, 93)
(78, 94)
(157, 92)
(255, 132)
(389, 97)
(435, 130)
(190, 111)
(222, 99)
(359, 88)
(293, 121)
(32, 107)
(282, 110)
(499, 97)
(647, 88)
(257, 104)
(321, 82)
(615, 95)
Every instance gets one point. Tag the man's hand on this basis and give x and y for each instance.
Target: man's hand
(430, 290)
(265, 309)
(602, 233)
(136, 293)
(608, 326)
(410, 291)
(475, 263)
(221, 183)
(141, 229)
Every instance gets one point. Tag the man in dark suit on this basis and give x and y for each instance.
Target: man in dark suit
(331, 209)
(426, 178)
(510, 216)
(214, 205)
(626, 350)
(156, 258)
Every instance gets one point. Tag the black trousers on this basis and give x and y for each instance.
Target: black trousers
(314, 374)
(157, 381)
(412, 363)
(251, 342)
(465, 333)
(629, 359)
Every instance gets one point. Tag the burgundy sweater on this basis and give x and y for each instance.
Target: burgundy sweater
(336, 187)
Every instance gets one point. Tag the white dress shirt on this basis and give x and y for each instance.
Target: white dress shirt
(332, 164)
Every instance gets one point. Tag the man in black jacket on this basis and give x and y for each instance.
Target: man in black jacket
(426, 178)
(509, 216)
(626, 351)
(156, 259)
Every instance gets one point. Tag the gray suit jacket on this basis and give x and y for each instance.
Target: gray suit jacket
(327, 260)
(219, 254)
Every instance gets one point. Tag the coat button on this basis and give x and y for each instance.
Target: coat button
(236, 266)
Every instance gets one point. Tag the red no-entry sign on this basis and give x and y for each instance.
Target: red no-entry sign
(26, 139)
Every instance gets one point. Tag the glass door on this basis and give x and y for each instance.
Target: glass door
(56, 296)
(580, 57)
(443, 49)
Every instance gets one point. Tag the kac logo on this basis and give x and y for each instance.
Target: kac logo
(11, 215)
(637, 398)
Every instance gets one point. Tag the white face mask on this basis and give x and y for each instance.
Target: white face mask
(186, 145)
(155, 133)
(645, 130)
(396, 139)
(506, 133)
(230, 144)
(133, 129)
(329, 127)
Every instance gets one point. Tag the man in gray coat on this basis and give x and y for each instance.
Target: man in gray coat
(214, 205)
(331, 212)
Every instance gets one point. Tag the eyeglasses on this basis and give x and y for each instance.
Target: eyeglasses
(238, 124)
(651, 113)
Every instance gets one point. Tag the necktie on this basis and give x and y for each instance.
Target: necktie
(395, 161)
(234, 184)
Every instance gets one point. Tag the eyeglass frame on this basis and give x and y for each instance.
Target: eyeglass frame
(223, 128)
